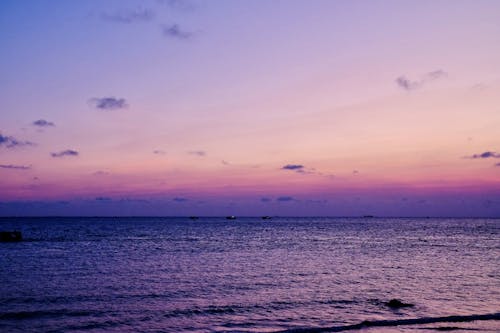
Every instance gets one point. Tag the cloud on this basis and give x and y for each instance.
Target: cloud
(200, 153)
(67, 152)
(108, 103)
(299, 168)
(15, 167)
(179, 199)
(175, 31)
(265, 199)
(128, 16)
(103, 199)
(408, 85)
(11, 142)
(498, 164)
(355, 172)
(284, 199)
(486, 154)
(100, 173)
(178, 4)
(43, 123)
(159, 152)
(293, 167)
(437, 74)
(134, 200)
(318, 201)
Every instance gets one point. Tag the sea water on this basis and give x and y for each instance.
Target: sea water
(248, 275)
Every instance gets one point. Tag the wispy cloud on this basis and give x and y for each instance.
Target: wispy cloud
(134, 200)
(159, 152)
(108, 103)
(285, 199)
(15, 167)
(100, 173)
(486, 154)
(175, 31)
(434, 75)
(317, 201)
(128, 16)
(67, 152)
(43, 123)
(200, 153)
(408, 85)
(178, 199)
(265, 199)
(11, 142)
(498, 164)
(178, 4)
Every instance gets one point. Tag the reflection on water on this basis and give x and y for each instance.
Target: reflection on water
(213, 274)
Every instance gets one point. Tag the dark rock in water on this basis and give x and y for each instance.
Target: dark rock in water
(396, 304)
(232, 217)
(10, 236)
(193, 217)
(266, 217)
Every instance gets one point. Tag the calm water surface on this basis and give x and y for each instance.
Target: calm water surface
(245, 275)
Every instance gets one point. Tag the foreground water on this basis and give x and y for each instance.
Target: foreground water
(248, 275)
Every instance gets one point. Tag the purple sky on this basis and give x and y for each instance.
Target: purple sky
(185, 107)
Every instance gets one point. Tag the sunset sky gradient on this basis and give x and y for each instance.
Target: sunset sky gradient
(172, 107)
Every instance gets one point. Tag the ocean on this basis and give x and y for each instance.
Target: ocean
(250, 275)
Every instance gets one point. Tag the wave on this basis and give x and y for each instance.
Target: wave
(231, 309)
(21, 315)
(395, 322)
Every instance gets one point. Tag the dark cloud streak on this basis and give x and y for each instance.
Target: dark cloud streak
(128, 16)
(486, 154)
(15, 167)
(103, 199)
(67, 152)
(43, 123)
(293, 167)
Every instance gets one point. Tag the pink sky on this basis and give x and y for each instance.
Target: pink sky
(199, 107)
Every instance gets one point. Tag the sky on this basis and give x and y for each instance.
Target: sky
(248, 108)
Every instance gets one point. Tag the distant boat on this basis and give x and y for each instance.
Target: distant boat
(193, 217)
(231, 217)
(10, 236)
(266, 217)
